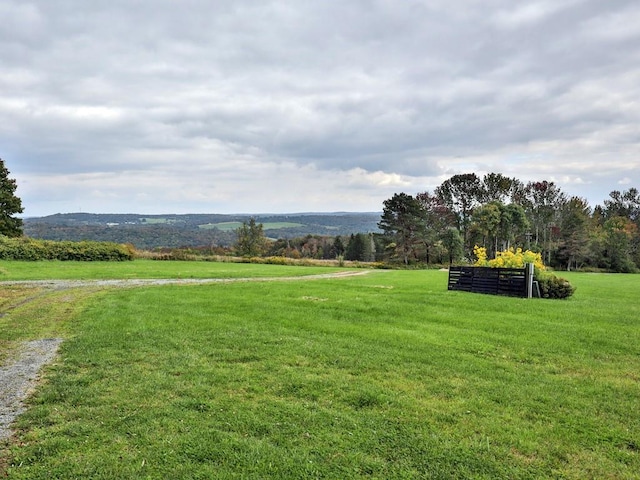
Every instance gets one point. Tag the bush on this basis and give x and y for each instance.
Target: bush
(25, 248)
(552, 286)
(508, 259)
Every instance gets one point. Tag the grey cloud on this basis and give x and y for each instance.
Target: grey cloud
(397, 87)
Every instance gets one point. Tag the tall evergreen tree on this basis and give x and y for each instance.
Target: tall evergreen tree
(403, 220)
(452, 241)
(356, 249)
(337, 249)
(10, 205)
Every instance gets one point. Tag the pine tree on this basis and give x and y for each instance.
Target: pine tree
(403, 220)
(10, 205)
(356, 248)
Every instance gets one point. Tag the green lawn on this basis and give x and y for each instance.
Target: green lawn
(15, 270)
(384, 376)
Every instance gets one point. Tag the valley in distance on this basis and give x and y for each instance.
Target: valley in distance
(147, 232)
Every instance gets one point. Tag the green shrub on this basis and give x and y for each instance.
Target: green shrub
(552, 286)
(29, 249)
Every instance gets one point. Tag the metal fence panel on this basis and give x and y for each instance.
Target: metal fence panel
(494, 281)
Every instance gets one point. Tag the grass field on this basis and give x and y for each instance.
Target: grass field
(387, 375)
(228, 226)
(11, 270)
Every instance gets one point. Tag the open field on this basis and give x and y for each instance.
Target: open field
(11, 270)
(386, 375)
(227, 226)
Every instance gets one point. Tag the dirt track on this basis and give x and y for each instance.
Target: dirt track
(140, 282)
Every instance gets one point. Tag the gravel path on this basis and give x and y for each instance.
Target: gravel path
(19, 376)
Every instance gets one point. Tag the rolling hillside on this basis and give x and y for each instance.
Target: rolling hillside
(191, 230)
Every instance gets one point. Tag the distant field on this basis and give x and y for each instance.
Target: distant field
(157, 221)
(387, 375)
(227, 226)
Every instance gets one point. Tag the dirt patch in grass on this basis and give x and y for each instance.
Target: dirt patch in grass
(142, 282)
(19, 377)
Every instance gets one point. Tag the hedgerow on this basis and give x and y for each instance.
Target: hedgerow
(25, 248)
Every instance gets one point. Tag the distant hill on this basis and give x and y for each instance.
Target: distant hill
(192, 230)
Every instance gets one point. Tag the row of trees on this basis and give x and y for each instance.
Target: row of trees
(252, 242)
(495, 212)
(499, 212)
(443, 226)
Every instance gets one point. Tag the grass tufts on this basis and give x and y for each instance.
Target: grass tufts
(386, 375)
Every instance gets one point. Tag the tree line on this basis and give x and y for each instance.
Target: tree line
(499, 212)
(495, 212)
(252, 242)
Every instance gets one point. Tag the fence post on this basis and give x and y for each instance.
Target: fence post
(529, 270)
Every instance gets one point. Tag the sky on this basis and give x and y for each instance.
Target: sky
(284, 106)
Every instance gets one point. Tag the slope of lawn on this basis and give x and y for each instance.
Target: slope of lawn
(387, 375)
(17, 270)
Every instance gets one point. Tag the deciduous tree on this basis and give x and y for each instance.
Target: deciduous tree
(623, 204)
(627, 205)
(619, 232)
(498, 188)
(513, 224)
(543, 201)
(438, 219)
(251, 240)
(486, 221)
(574, 233)
(461, 194)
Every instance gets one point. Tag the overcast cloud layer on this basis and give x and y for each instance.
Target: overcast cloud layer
(255, 106)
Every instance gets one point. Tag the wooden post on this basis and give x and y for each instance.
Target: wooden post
(529, 270)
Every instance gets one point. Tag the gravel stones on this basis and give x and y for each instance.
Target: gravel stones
(19, 376)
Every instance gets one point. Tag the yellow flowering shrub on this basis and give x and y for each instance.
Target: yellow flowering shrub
(508, 258)
(550, 285)
(481, 255)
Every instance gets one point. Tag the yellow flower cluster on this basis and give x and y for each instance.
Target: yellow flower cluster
(508, 258)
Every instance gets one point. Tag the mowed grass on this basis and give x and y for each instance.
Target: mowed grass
(387, 375)
(16, 270)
